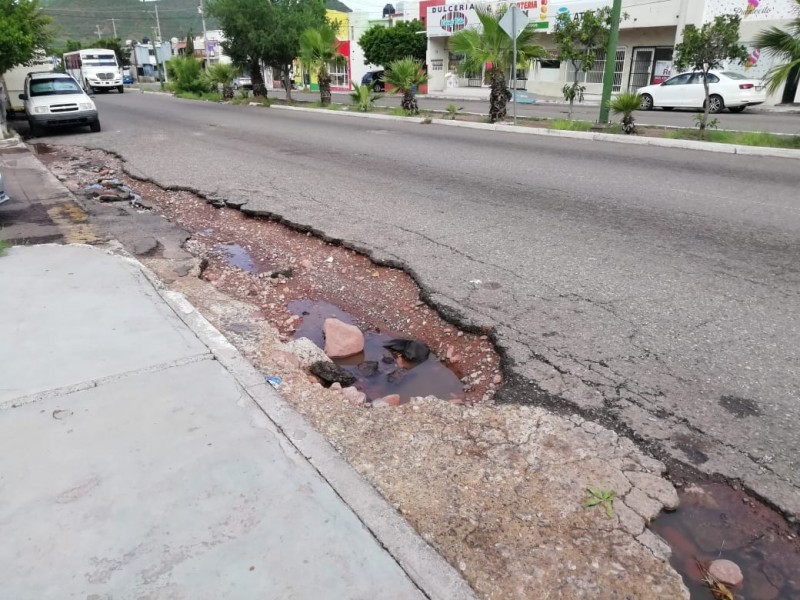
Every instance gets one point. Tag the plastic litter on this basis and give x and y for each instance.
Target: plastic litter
(274, 381)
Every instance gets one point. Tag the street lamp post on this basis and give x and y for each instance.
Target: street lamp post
(611, 61)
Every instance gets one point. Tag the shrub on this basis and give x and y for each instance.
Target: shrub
(186, 74)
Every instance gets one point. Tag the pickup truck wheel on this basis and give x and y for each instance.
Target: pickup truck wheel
(121, 89)
(95, 127)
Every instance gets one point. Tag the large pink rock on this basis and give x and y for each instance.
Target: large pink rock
(342, 340)
(726, 571)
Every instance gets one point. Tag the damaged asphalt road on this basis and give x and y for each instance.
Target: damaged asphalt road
(649, 287)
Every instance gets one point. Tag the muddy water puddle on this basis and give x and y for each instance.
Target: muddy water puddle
(237, 256)
(377, 370)
(714, 521)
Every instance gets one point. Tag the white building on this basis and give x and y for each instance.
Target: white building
(646, 42)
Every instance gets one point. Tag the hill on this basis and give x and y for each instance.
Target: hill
(80, 19)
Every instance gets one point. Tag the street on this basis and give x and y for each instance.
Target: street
(653, 289)
(753, 119)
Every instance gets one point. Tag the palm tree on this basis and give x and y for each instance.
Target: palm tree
(318, 48)
(626, 104)
(493, 47)
(785, 46)
(405, 76)
(222, 75)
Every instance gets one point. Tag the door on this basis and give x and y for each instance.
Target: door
(673, 92)
(641, 68)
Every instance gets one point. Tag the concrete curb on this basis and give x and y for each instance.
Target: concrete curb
(10, 142)
(579, 135)
(434, 576)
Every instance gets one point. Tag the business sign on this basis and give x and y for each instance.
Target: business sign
(449, 18)
(751, 10)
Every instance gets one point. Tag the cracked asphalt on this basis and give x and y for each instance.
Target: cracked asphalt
(652, 288)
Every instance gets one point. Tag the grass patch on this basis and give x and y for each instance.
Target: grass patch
(742, 138)
(331, 106)
(207, 96)
(399, 111)
(567, 125)
(8, 135)
(4, 245)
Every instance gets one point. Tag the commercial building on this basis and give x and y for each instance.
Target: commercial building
(646, 43)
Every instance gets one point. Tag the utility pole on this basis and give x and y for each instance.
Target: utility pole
(114, 26)
(611, 60)
(202, 10)
(158, 22)
(99, 35)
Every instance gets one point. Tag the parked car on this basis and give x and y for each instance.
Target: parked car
(127, 79)
(728, 89)
(3, 195)
(374, 79)
(243, 82)
(57, 100)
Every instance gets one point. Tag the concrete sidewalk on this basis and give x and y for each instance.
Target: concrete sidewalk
(140, 457)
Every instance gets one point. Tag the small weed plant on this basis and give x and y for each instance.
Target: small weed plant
(452, 111)
(604, 498)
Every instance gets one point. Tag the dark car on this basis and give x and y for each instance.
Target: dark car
(373, 79)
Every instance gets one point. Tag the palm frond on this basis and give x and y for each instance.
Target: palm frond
(779, 43)
(405, 74)
(778, 74)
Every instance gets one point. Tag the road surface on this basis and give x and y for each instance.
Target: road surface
(652, 288)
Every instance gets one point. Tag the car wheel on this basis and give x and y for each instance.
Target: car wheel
(737, 109)
(667, 108)
(95, 127)
(376, 87)
(121, 89)
(647, 102)
(715, 104)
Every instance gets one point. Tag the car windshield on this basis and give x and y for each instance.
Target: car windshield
(100, 60)
(51, 87)
(733, 75)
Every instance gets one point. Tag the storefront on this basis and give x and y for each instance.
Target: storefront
(645, 52)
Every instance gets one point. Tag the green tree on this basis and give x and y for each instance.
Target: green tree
(785, 46)
(189, 50)
(266, 32)
(72, 46)
(222, 75)
(318, 49)
(626, 104)
(23, 31)
(707, 48)
(405, 76)
(384, 45)
(492, 46)
(579, 40)
(186, 75)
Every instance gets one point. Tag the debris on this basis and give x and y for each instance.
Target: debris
(718, 589)
(306, 351)
(287, 272)
(354, 396)
(411, 350)
(329, 372)
(274, 381)
(329, 259)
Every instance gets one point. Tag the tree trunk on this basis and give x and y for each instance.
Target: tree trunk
(707, 108)
(324, 80)
(409, 103)
(790, 89)
(286, 77)
(227, 92)
(498, 97)
(257, 77)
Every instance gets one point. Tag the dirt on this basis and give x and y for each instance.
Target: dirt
(498, 490)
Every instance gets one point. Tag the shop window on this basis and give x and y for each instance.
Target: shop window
(339, 76)
(596, 73)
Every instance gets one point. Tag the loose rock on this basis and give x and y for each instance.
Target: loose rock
(329, 372)
(726, 571)
(342, 340)
(307, 351)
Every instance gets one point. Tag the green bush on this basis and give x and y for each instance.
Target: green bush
(186, 75)
(364, 98)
